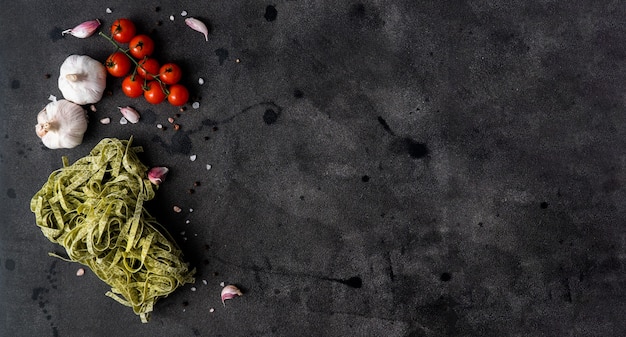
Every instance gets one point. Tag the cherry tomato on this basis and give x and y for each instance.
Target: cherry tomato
(154, 93)
(132, 86)
(178, 95)
(141, 46)
(148, 68)
(170, 73)
(123, 30)
(118, 64)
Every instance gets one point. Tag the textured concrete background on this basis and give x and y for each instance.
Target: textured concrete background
(404, 168)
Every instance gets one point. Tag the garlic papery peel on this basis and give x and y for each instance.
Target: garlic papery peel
(61, 124)
(85, 29)
(157, 175)
(230, 291)
(198, 26)
(82, 79)
(130, 114)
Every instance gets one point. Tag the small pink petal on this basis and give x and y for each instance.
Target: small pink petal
(157, 175)
(230, 291)
(85, 29)
(130, 114)
(198, 26)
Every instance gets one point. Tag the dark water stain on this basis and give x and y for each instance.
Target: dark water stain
(181, 143)
(270, 110)
(9, 265)
(11, 193)
(15, 84)
(365, 17)
(409, 146)
(383, 122)
(270, 13)
(270, 116)
(507, 41)
(297, 93)
(39, 296)
(38, 293)
(55, 34)
(544, 205)
(222, 55)
(264, 106)
(209, 122)
(353, 282)
(148, 116)
(442, 315)
(357, 10)
(445, 277)
(365, 178)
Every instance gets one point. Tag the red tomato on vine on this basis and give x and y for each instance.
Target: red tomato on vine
(141, 46)
(123, 30)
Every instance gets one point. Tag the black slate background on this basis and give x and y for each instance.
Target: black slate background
(403, 168)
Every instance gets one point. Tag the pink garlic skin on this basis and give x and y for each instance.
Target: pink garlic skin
(84, 30)
(198, 26)
(157, 175)
(230, 291)
(130, 114)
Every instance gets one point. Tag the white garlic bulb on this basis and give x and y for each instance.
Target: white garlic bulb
(61, 124)
(82, 79)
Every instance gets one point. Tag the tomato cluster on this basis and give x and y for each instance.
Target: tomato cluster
(149, 78)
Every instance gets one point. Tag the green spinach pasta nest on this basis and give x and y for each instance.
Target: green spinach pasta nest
(94, 208)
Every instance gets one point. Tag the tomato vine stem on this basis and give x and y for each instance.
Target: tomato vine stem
(125, 52)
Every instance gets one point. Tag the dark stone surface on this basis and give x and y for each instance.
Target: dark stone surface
(405, 168)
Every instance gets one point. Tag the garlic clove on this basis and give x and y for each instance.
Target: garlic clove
(157, 175)
(84, 30)
(130, 114)
(230, 291)
(61, 124)
(198, 26)
(82, 79)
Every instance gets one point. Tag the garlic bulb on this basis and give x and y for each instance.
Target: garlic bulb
(61, 124)
(82, 79)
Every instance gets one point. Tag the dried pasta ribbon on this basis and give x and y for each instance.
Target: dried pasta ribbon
(94, 209)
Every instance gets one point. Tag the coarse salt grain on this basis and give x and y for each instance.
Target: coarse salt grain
(209, 166)
(205, 282)
(93, 108)
(193, 289)
(80, 272)
(109, 11)
(211, 310)
(222, 284)
(195, 105)
(106, 120)
(190, 210)
(183, 13)
(187, 221)
(159, 126)
(201, 81)
(123, 121)
(192, 157)
(171, 17)
(52, 98)
(177, 209)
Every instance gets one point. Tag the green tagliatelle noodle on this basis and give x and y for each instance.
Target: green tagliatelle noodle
(94, 209)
